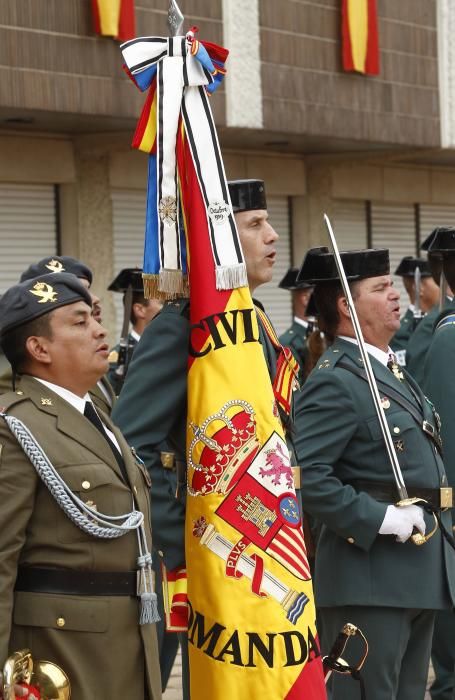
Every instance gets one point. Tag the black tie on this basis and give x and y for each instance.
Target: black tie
(93, 417)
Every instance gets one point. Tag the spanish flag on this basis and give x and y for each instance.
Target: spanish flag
(359, 28)
(114, 18)
(251, 615)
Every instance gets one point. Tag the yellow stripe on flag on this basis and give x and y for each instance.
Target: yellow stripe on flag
(149, 136)
(358, 29)
(109, 11)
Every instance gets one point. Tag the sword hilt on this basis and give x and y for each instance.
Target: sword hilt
(417, 538)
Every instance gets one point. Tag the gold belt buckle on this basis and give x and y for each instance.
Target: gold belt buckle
(446, 497)
(296, 473)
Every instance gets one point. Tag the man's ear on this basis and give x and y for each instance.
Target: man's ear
(138, 310)
(38, 349)
(343, 308)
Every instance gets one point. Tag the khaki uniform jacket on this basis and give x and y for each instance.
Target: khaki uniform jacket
(97, 640)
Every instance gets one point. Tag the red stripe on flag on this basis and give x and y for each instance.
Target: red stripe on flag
(372, 58)
(127, 21)
(96, 17)
(291, 548)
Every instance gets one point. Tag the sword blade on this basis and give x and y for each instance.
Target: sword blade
(417, 285)
(175, 19)
(390, 447)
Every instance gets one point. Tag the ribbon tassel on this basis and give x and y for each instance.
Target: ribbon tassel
(180, 72)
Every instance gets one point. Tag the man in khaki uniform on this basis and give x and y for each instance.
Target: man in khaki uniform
(69, 591)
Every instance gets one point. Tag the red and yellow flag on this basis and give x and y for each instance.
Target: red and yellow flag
(114, 18)
(251, 627)
(359, 31)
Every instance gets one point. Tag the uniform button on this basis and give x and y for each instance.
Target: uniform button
(61, 622)
(86, 485)
(396, 430)
(351, 540)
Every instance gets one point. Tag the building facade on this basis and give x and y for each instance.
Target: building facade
(375, 153)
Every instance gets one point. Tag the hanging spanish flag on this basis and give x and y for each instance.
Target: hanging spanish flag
(114, 18)
(359, 31)
(250, 608)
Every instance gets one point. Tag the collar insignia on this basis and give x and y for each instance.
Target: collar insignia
(46, 402)
(44, 291)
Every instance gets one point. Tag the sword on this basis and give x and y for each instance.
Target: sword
(417, 309)
(417, 538)
(442, 291)
(175, 19)
(334, 662)
(123, 353)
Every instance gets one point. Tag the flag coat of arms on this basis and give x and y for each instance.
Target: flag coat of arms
(251, 614)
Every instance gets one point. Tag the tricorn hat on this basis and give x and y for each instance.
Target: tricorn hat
(247, 194)
(30, 299)
(57, 263)
(289, 281)
(128, 277)
(443, 240)
(319, 265)
(408, 266)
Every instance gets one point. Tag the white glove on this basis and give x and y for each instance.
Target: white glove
(401, 521)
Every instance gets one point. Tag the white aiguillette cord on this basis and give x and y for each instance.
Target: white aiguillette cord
(88, 519)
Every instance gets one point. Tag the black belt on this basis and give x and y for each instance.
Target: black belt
(72, 582)
(387, 492)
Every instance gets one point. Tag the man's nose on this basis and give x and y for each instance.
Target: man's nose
(271, 234)
(99, 331)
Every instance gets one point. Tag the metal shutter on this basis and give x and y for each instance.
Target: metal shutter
(129, 217)
(28, 229)
(129, 222)
(433, 215)
(394, 228)
(277, 302)
(350, 224)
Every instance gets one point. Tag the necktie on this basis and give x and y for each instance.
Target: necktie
(93, 417)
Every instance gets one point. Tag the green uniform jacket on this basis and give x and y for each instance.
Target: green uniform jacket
(96, 393)
(439, 385)
(295, 338)
(342, 441)
(100, 645)
(419, 343)
(401, 338)
(152, 408)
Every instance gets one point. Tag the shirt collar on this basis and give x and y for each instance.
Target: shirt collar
(76, 401)
(411, 307)
(135, 335)
(378, 354)
(301, 322)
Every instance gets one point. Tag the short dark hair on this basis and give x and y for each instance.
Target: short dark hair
(138, 298)
(326, 296)
(13, 342)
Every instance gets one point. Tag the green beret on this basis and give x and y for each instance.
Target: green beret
(57, 263)
(33, 298)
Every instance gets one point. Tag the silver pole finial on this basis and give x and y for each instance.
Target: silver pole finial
(175, 19)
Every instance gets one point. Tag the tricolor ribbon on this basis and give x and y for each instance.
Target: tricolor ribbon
(180, 71)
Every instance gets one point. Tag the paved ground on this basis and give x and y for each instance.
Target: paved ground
(174, 688)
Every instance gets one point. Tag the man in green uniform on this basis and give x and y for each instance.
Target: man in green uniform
(440, 388)
(152, 405)
(74, 521)
(296, 336)
(101, 393)
(368, 571)
(428, 297)
(421, 338)
(139, 311)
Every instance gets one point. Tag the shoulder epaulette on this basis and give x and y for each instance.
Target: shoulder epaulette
(177, 306)
(11, 398)
(448, 320)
